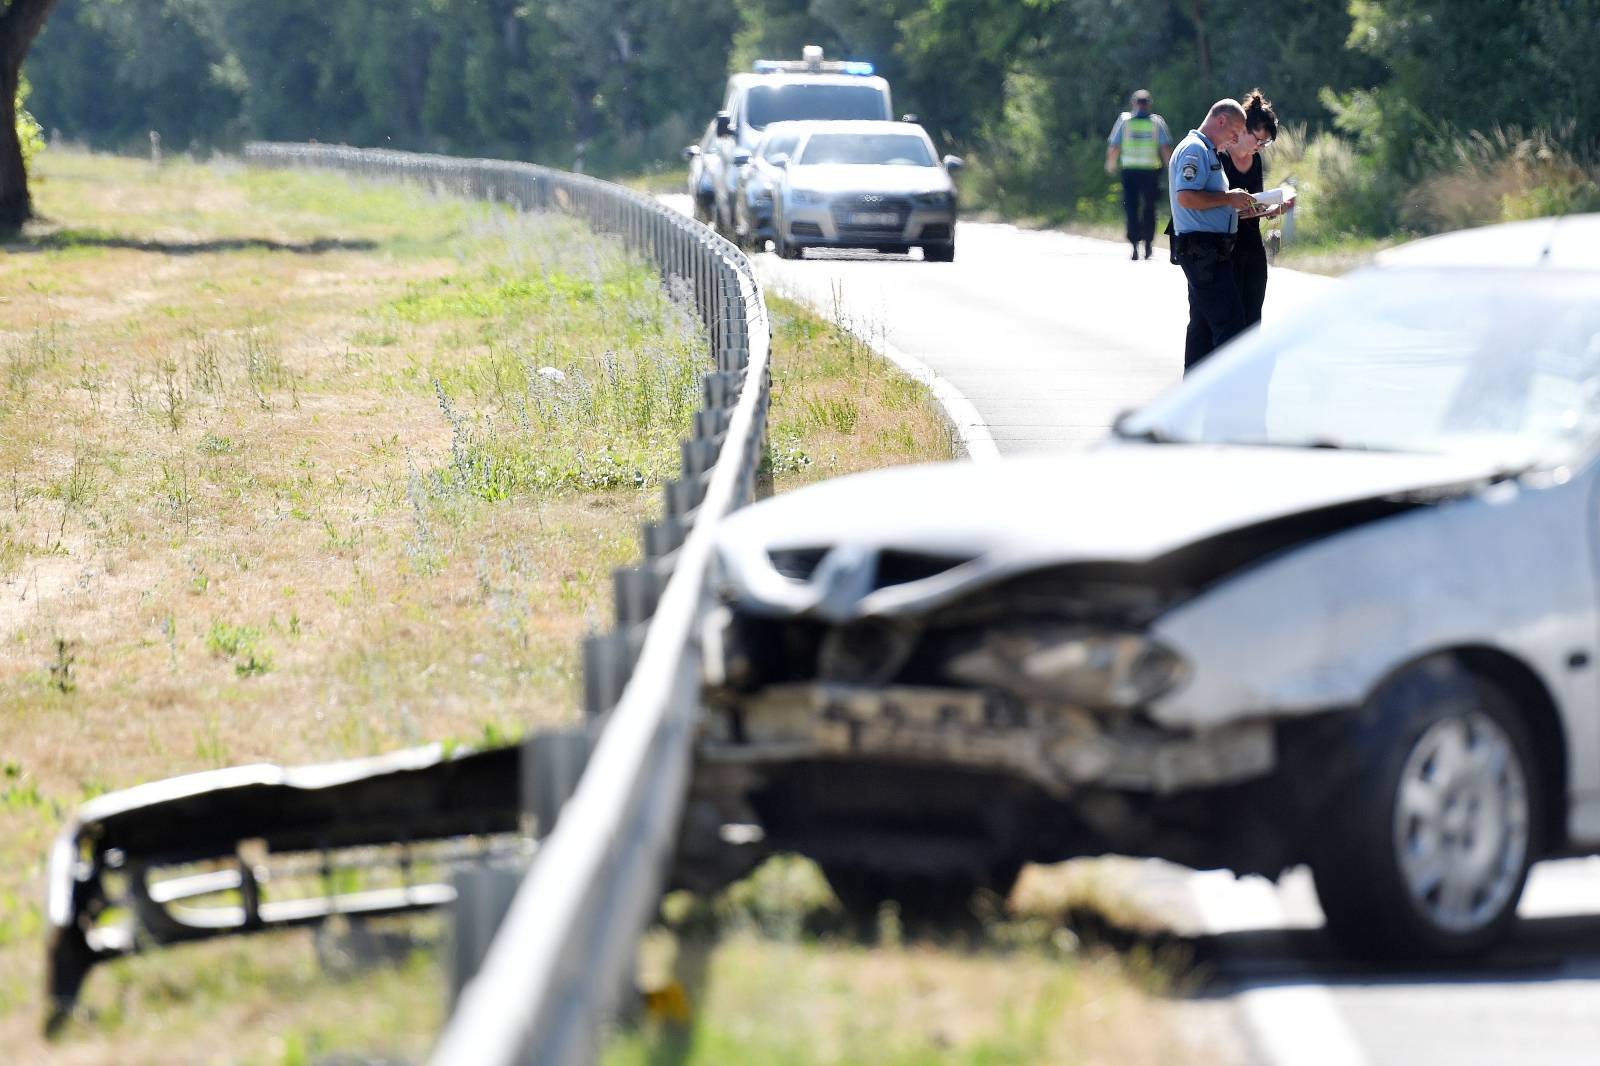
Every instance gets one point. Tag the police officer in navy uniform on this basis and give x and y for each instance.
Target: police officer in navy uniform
(1140, 146)
(1205, 218)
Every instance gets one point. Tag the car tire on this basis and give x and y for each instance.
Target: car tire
(939, 253)
(1432, 826)
(786, 248)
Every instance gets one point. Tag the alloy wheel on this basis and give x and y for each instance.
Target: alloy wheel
(1461, 821)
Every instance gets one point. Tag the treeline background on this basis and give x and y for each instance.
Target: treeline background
(1403, 115)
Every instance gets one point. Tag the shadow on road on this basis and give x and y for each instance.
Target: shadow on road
(1539, 949)
(857, 255)
(59, 240)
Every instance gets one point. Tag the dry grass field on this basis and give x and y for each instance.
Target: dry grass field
(286, 475)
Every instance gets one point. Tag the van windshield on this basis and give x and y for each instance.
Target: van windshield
(783, 103)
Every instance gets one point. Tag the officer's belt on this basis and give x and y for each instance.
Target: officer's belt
(1221, 243)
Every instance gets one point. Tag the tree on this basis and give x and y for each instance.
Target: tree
(20, 23)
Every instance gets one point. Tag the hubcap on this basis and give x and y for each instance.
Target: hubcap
(1461, 824)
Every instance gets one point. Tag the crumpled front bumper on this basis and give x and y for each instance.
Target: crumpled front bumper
(1057, 748)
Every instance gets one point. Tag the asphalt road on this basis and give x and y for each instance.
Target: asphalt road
(1047, 337)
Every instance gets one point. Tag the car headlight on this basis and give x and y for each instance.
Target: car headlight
(1088, 667)
(942, 198)
(806, 196)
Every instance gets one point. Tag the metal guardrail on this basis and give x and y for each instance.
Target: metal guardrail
(565, 951)
(136, 868)
(249, 849)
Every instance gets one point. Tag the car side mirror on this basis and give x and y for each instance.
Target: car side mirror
(724, 124)
(908, 118)
(781, 161)
(954, 163)
(690, 153)
(741, 157)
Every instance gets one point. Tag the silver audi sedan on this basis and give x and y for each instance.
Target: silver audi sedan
(874, 185)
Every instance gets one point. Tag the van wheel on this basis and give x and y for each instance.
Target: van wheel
(1429, 835)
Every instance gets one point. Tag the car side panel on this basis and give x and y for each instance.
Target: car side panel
(1319, 628)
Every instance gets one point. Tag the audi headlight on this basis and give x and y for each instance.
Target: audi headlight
(806, 196)
(942, 198)
(1087, 667)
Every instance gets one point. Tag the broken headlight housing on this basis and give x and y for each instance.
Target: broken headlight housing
(1095, 668)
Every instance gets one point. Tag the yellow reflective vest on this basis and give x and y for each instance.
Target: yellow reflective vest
(1140, 148)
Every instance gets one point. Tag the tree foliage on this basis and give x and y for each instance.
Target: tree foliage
(1028, 88)
(30, 136)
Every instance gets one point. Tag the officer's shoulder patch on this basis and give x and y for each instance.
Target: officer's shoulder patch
(1190, 170)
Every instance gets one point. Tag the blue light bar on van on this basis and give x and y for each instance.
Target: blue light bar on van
(858, 67)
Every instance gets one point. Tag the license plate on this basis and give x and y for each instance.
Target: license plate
(874, 218)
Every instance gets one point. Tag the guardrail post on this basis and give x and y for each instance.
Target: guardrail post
(698, 456)
(605, 672)
(483, 895)
(635, 590)
(662, 538)
(552, 762)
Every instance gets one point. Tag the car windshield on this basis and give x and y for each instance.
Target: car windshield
(776, 146)
(767, 104)
(1500, 365)
(896, 149)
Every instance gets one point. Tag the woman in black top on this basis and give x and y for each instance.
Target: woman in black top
(1242, 165)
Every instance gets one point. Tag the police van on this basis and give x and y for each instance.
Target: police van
(776, 90)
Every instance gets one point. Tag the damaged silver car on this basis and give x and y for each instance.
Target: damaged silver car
(1333, 600)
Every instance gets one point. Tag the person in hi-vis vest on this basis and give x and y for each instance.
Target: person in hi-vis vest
(1142, 145)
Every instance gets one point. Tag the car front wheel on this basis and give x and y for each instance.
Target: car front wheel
(939, 253)
(1427, 843)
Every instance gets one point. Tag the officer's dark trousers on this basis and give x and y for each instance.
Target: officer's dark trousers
(1139, 191)
(1215, 312)
(1250, 276)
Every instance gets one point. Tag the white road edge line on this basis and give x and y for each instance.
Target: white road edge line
(963, 417)
(1288, 1024)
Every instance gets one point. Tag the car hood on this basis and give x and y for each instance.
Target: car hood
(966, 524)
(842, 178)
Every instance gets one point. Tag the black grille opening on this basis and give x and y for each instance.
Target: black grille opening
(891, 212)
(805, 229)
(797, 564)
(903, 567)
